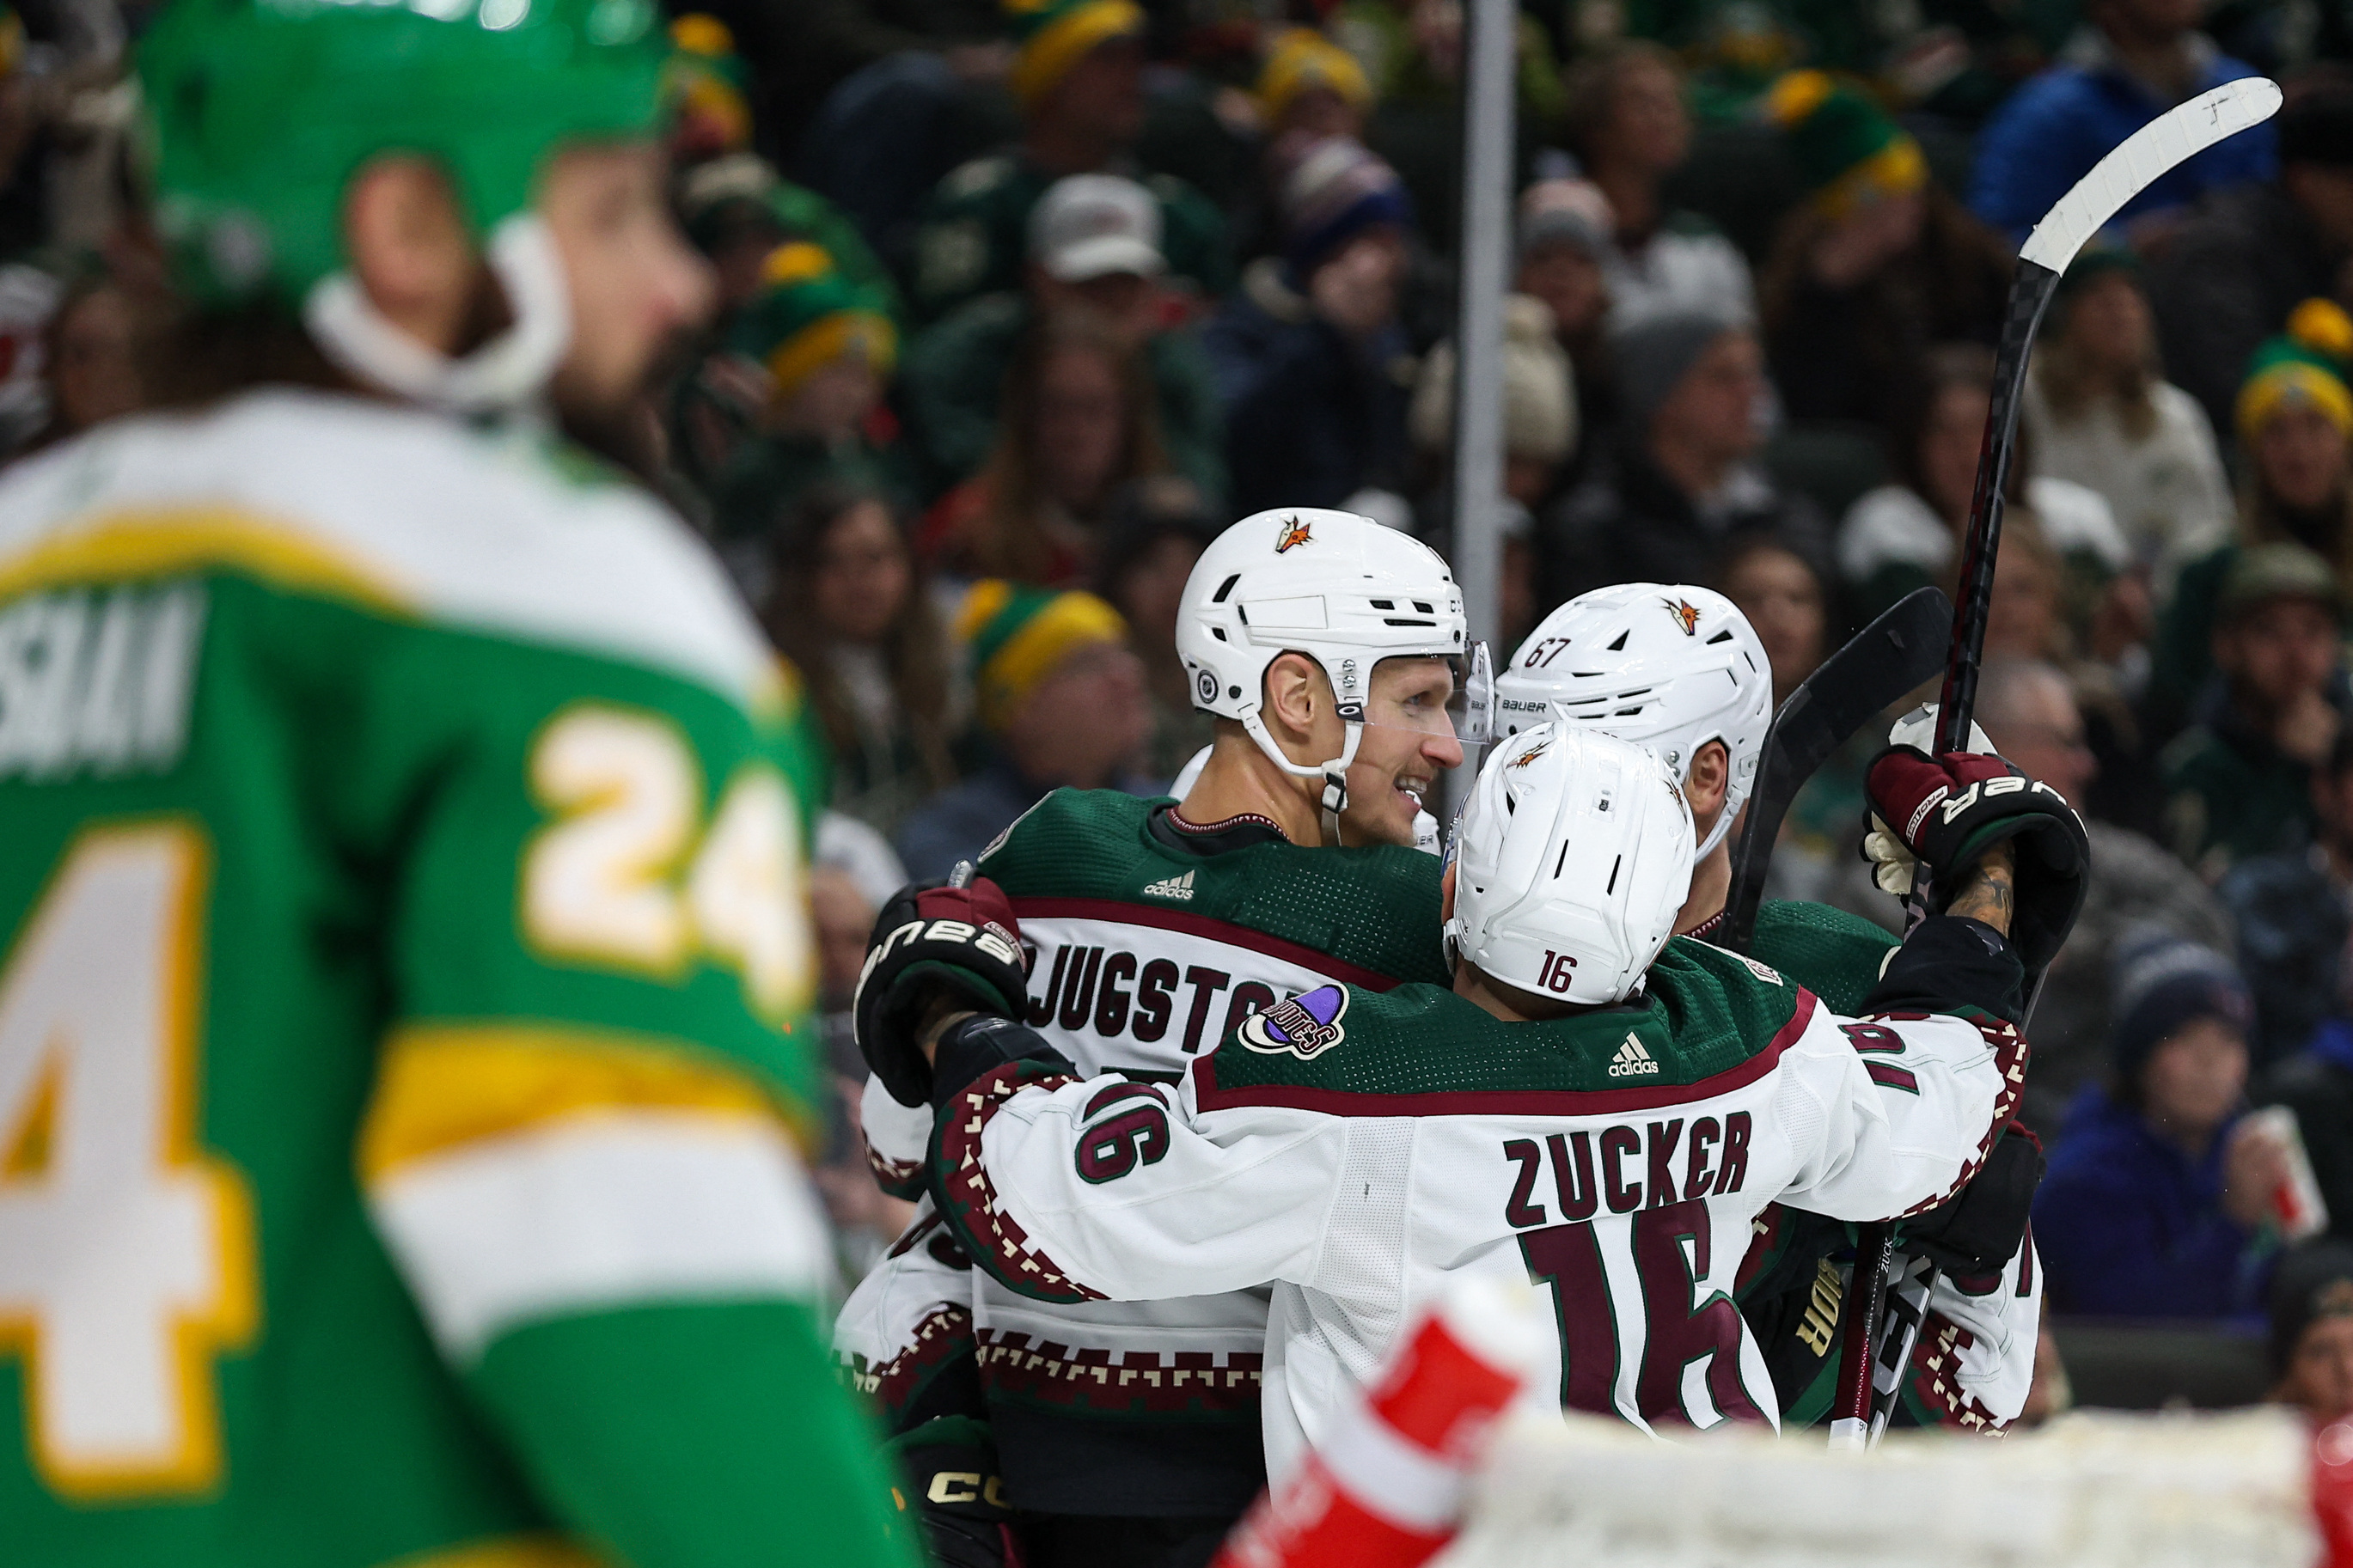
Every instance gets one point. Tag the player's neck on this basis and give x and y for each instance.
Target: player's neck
(1239, 780)
(1711, 882)
(1508, 1003)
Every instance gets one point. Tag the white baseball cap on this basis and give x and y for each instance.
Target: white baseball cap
(1091, 225)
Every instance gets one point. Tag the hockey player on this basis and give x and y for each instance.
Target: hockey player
(404, 965)
(1590, 1105)
(1678, 668)
(1327, 647)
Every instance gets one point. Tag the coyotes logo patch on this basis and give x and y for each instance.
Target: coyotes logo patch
(1305, 1027)
(1686, 612)
(1294, 533)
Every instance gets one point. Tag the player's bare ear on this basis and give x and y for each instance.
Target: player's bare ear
(1293, 693)
(408, 245)
(1711, 771)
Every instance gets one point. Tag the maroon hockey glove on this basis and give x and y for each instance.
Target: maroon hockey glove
(1947, 812)
(935, 943)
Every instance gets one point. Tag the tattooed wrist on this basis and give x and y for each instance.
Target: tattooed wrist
(1990, 891)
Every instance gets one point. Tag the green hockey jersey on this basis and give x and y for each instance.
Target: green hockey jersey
(404, 968)
(1150, 941)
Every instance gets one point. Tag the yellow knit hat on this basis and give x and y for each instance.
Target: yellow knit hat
(1014, 635)
(1301, 59)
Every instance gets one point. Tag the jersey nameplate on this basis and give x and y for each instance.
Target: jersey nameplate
(98, 680)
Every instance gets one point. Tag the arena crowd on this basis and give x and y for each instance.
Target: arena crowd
(1021, 307)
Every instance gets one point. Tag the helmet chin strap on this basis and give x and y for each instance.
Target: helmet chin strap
(507, 373)
(1724, 821)
(1334, 773)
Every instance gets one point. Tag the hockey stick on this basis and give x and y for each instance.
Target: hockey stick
(1901, 649)
(1860, 1413)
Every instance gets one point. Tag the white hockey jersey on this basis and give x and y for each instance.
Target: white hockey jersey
(1359, 1148)
(1145, 954)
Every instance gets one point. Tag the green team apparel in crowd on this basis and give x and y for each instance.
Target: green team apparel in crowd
(405, 963)
(974, 232)
(403, 1018)
(1151, 942)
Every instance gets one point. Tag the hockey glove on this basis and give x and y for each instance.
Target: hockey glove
(1946, 812)
(973, 1048)
(932, 944)
(950, 1464)
(1979, 1230)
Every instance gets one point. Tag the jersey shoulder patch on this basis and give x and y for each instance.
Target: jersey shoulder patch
(1422, 1050)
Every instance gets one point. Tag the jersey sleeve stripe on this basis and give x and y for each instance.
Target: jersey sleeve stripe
(1117, 911)
(442, 1086)
(1209, 1096)
(151, 543)
(576, 1216)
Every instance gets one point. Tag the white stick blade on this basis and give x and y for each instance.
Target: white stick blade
(2141, 160)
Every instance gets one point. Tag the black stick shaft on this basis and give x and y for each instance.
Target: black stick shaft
(2030, 295)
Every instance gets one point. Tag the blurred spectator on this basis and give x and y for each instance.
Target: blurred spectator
(1312, 362)
(1311, 86)
(1062, 696)
(865, 1219)
(89, 359)
(2295, 418)
(849, 609)
(1905, 535)
(2316, 1083)
(1158, 530)
(2028, 709)
(2245, 258)
(2294, 910)
(1077, 421)
(2312, 1330)
(2155, 1202)
(2100, 415)
(1564, 244)
(2136, 59)
(1094, 251)
(1785, 598)
(1875, 265)
(1540, 434)
(1680, 482)
(826, 347)
(739, 214)
(1078, 78)
(1778, 589)
(1628, 125)
(2238, 781)
(736, 210)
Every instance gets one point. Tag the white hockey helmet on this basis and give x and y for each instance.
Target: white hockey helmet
(1572, 858)
(1340, 589)
(1667, 664)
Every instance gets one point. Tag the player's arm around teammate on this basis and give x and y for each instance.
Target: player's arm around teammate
(1075, 1189)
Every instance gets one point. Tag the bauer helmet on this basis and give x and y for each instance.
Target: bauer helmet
(260, 111)
(1667, 664)
(1572, 858)
(1339, 589)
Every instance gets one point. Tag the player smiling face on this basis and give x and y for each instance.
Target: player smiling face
(1408, 740)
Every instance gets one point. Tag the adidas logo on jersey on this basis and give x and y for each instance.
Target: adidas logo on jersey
(1632, 1060)
(1170, 888)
